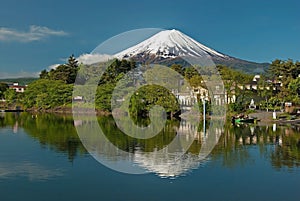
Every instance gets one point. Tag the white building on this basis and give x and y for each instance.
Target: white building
(18, 88)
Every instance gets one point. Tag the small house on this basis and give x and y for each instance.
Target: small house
(18, 88)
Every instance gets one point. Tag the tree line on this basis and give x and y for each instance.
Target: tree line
(54, 88)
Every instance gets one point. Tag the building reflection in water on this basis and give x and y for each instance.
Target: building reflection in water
(178, 149)
(166, 155)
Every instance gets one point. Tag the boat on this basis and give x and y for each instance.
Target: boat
(244, 120)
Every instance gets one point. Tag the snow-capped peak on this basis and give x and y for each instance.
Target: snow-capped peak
(169, 44)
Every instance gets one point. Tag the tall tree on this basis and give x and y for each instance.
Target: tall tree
(3, 88)
(117, 68)
(72, 62)
(285, 69)
(44, 74)
(65, 72)
(285, 72)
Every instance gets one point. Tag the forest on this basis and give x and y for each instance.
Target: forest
(54, 88)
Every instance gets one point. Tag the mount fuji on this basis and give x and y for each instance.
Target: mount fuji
(170, 46)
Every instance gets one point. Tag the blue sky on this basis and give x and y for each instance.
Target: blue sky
(35, 34)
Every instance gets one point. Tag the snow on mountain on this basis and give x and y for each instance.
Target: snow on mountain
(170, 44)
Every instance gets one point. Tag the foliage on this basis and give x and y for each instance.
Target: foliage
(103, 96)
(3, 88)
(294, 86)
(146, 97)
(51, 131)
(233, 81)
(45, 94)
(286, 69)
(117, 67)
(10, 96)
(286, 72)
(128, 144)
(190, 72)
(178, 68)
(208, 106)
(265, 90)
(65, 72)
(236, 107)
(44, 74)
(196, 81)
(51, 94)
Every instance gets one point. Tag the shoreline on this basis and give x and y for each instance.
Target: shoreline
(68, 111)
(267, 117)
(261, 116)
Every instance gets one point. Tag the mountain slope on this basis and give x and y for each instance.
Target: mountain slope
(170, 46)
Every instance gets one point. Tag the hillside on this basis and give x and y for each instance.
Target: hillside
(21, 81)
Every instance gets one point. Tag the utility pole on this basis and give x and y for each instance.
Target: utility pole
(204, 116)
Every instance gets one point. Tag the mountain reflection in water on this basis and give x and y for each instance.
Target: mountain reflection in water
(279, 145)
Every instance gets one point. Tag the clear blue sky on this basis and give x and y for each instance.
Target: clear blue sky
(35, 34)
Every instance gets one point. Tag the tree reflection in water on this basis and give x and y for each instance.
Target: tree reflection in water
(56, 132)
(278, 144)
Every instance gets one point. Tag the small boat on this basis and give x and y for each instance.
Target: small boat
(244, 120)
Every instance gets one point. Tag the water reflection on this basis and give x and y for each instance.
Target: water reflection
(279, 145)
(34, 172)
(178, 148)
(54, 131)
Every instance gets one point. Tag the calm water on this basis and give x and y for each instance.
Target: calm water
(42, 158)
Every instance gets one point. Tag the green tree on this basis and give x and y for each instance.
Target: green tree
(10, 96)
(190, 72)
(150, 95)
(44, 74)
(72, 62)
(234, 83)
(286, 69)
(178, 68)
(3, 88)
(285, 72)
(196, 81)
(46, 94)
(64, 72)
(103, 96)
(294, 88)
(265, 92)
(117, 67)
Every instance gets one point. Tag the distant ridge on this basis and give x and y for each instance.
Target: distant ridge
(21, 81)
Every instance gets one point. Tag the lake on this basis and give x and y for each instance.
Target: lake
(43, 157)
